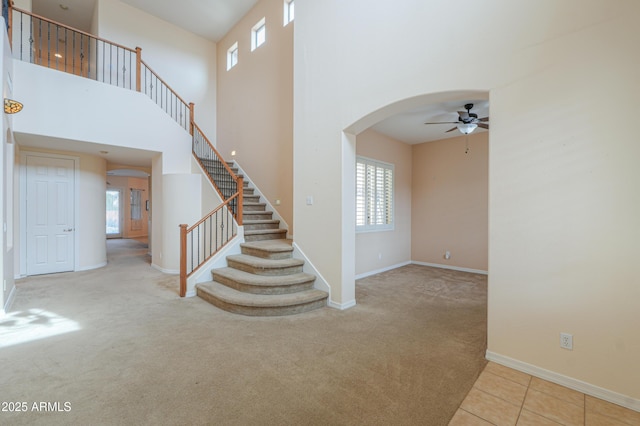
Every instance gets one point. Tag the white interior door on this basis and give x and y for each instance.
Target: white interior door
(50, 215)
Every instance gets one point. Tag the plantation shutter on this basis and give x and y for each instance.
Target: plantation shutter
(361, 205)
(374, 195)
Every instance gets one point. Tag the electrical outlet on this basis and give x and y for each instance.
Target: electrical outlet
(566, 341)
(447, 255)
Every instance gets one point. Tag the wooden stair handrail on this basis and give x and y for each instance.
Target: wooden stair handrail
(164, 82)
(226, 166)
(185, 230)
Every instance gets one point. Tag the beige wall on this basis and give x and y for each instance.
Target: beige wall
(381, 250)
(126, 183)
(257, 94)
(450, 202)
(563, 174)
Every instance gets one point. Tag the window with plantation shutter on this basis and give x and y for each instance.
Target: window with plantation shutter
(374, 195)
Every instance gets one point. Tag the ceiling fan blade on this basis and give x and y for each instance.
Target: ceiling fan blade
(444, 122)
(451, 130)
(483, 125)
(483, 119)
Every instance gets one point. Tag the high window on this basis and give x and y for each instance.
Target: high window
(258, 34)
(374, 195)
(232, 56)
(288, 11)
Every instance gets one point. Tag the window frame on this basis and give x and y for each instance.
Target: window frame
(289, 12)
(255, 32)
(387, 197)
(232, 56)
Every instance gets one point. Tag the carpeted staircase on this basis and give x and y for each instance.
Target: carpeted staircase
(265, 279)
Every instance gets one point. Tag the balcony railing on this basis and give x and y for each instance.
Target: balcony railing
(41, 41)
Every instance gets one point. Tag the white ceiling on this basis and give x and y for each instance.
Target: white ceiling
(210, 19)
(111, 153)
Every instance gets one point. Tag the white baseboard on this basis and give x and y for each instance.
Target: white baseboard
(569, 382)
(89, 268)
(166, 271)
(379, 271)
(454, 268)
(191, 293)
(320, 283)
(341, 306)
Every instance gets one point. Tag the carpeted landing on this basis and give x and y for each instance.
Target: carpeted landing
(120, 347)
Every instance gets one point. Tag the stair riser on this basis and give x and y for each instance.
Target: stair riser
(257, 216)
(254, 289)
(220, 174)
(250, 198)
(219, 169)
(264, 271)
(262, 311)
(253, 207)
(263, 237)
(260, 226)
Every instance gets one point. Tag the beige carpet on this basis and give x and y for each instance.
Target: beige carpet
(120, 347)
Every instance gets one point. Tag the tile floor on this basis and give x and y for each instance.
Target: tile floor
(502, 396)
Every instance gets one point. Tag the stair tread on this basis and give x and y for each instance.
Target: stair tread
(264, 280)
(236, 297)
(274, 246)
(262, 263)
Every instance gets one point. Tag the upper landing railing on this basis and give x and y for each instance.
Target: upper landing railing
(41, 41)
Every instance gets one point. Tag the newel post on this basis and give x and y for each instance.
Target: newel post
(138, 69)
(183, 260)
(192, 118)
(240, 193)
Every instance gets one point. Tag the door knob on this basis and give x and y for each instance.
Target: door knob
(67, 230)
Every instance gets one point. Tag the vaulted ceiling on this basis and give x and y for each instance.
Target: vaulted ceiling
(212, 19)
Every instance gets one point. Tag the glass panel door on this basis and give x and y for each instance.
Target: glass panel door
(114, 213)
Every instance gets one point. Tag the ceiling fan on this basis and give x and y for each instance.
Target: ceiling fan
(467, 121)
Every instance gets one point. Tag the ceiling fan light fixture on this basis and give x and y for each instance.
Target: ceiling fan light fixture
(466, 128)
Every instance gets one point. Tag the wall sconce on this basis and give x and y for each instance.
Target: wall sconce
(11, 106)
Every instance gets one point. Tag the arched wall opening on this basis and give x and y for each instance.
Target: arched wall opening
(440, 197)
